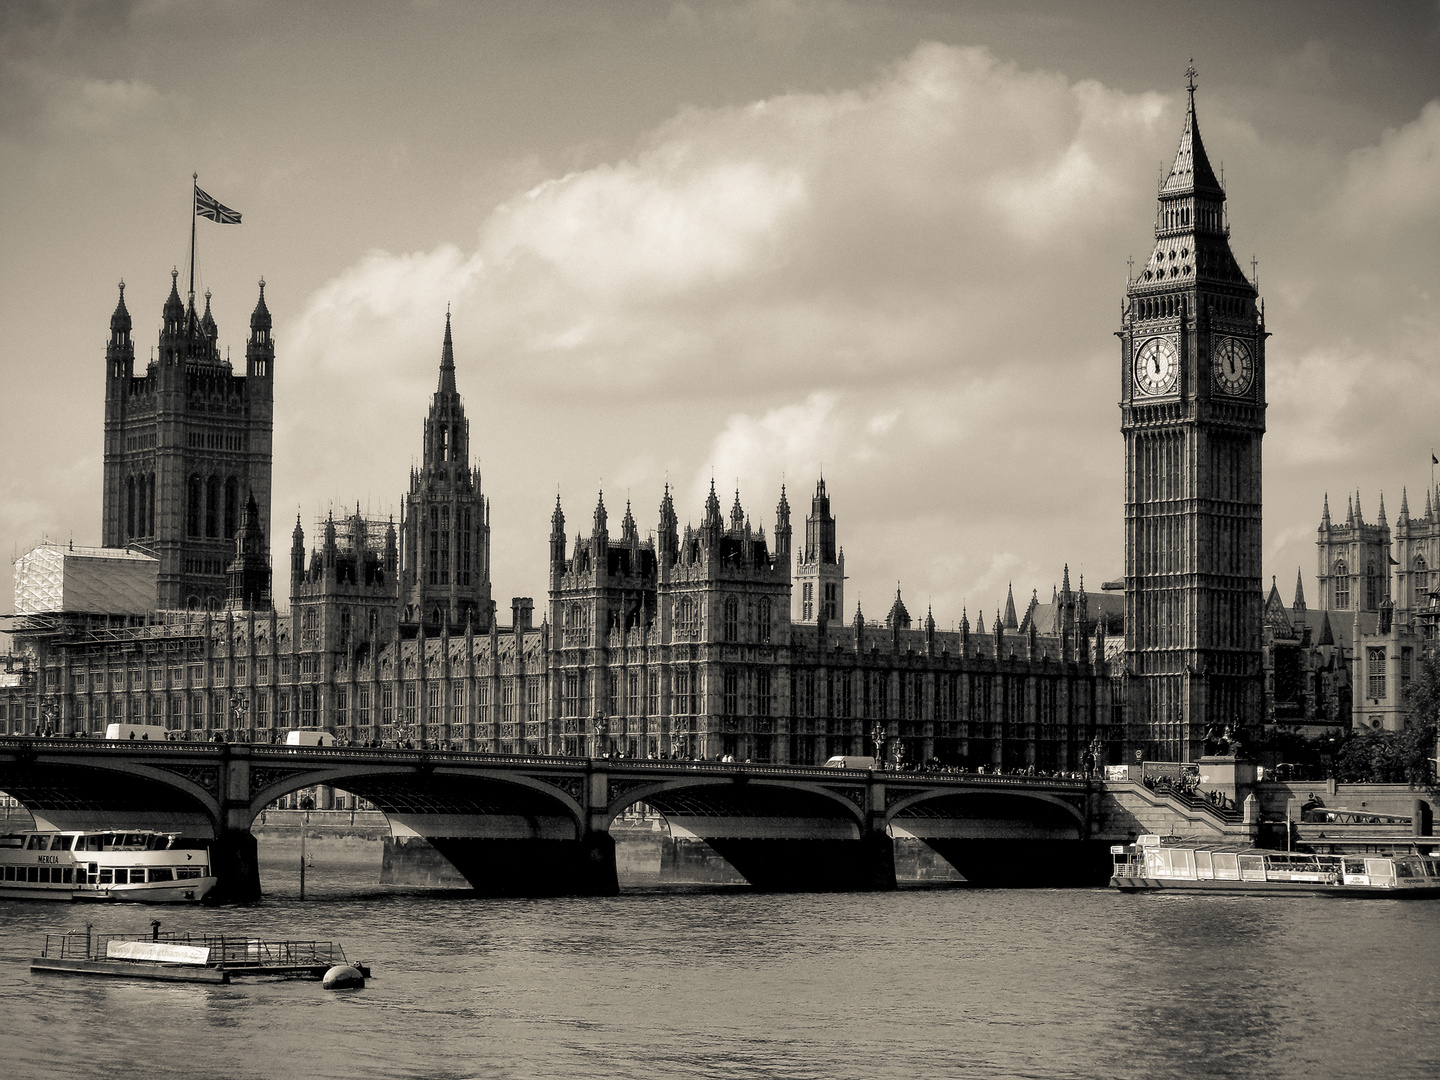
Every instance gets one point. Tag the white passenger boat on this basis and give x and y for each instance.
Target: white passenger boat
(144, 867)
(1153, 864)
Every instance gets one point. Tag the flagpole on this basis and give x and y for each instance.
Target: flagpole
(194, 183)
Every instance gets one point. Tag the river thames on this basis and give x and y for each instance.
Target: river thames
(918, 983)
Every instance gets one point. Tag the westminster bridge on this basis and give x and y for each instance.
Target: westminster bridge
(532, 825)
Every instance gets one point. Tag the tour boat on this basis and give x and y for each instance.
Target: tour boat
(145, 867)
(1152, 864)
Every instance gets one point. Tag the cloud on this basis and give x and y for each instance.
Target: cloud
(901, 283)
(98, 106)
(1395, 184)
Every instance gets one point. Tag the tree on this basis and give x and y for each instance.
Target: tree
(1400, 757)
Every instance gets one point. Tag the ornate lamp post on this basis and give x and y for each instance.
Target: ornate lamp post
(240, 713)
(877, 735)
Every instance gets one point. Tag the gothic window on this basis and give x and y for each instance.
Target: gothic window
(232, 507)
(1420, 583)
(1341, 586)
(732, 692)
(434, 545)
(464, 566)
(762, 692)
(685, 614)
(1371, 599)
(150, 504)
(682, 692)
(807, 602)
(732, 619)
(1375, 672)
(212, 507)
(636, 707)
(765, 618)
(830, 601)
(129, 508)
(654, 694)
(444, 443)
(571, 701)
(612, 705)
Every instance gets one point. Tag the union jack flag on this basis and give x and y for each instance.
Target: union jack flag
(207, 206)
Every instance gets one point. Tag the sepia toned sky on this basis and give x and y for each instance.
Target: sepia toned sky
(747, 241)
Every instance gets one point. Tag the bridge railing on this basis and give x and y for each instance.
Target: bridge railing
(273, 751)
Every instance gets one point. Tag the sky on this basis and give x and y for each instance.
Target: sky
(752, 243)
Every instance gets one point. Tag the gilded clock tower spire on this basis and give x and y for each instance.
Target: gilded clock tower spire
(1192, 403)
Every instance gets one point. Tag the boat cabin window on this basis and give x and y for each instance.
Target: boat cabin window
(37, 843)
(93, 842)
(63, 843)
(161, 873)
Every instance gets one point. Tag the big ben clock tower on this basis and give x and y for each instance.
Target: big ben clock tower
(1192, 404)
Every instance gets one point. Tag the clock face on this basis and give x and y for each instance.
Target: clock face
(1233, 365)
(1156, 363)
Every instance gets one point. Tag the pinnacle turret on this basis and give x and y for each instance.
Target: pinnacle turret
(1011, 622)
(260, 317)
(712, 510)
(1299, 604)
(601, 520)
(120, 321)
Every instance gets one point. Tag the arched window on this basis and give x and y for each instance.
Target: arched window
(765, 613)
(1371, 588)
(1341, 585)
(232, 507)
(212, 507)
(434, 570)
(150, 503)
(732, 619)
(129, 508)
(1420, 583)
(195, 506)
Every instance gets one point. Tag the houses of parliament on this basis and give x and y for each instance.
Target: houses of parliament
(715, 638)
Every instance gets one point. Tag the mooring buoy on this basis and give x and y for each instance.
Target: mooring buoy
(343, 977)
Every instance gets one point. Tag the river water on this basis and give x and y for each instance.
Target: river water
(918, 983)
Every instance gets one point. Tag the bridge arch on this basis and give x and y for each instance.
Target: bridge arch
(96, 793)
(450, 792)
(1051, 805)
(691, 796)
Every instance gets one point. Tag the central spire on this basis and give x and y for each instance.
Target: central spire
(447, 360)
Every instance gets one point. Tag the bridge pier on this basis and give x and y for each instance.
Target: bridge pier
(508, 867)
(234, 860)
